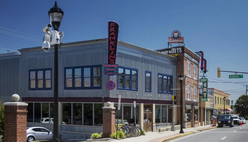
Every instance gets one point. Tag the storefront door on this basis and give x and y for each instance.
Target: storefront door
(148, 121)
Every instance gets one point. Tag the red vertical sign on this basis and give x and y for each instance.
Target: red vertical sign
(112, 41)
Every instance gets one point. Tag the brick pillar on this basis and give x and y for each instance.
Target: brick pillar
(108, 119)
(15, 121)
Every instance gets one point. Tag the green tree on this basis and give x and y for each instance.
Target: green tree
(241, 107)
(1, 118)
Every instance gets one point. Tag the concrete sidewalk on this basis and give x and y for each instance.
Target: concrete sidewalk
(158, 136)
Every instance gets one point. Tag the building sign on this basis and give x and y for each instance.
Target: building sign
(110, 85)
(174, 51)
(175, 37)
(191, 58)
(204, 89)
(112, 41)
(111, 69)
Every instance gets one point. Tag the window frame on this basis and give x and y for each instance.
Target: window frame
(167, 81)
(124, 79)
(188, 68)
(36, 79)
(194, 70)
(146, 89)
(195, 93)
(82, 77)
(188, 92)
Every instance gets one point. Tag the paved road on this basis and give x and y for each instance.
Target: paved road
(225, 134)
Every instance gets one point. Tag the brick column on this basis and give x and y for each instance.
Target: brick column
(15, 121)
(108, 119)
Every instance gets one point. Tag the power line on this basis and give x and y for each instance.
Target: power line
(19, 32)
(19, 36)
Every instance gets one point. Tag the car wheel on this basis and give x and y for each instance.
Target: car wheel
(31, 139)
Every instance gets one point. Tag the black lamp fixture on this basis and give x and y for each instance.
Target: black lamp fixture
(180, 78)
(56, 14)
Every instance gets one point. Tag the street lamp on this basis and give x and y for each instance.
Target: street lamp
(180, 78)
(54, 37)
(224, 104)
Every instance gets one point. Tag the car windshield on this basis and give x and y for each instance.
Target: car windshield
(235, 117)
(225, 117)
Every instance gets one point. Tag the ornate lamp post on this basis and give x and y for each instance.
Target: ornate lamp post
(180, 78)
(224, 104)
(54, 37)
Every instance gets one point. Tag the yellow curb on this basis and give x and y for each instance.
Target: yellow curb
(177, 136)
(185, 134)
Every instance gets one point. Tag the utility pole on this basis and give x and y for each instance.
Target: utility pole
(246, 100)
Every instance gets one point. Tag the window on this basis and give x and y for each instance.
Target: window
(195, 97)
(77, 113)
(194, 71)
(40, 79)
(164, 83)
(188, 92)
(148, 81)
(83, 77)
(66, 112)
(127, 78)
(98, 114)
(188, 68)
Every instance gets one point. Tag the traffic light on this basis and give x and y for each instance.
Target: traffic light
(218, 72)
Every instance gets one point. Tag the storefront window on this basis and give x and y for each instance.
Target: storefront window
(51, 110)
(98, 114)
(45, 110)
(37, 113)
(77, 113)
(66, 110)
(164, 114)
(88, 114)
(127, 114)
(30, 112)
(157, 114)
(196, 113)
(169, 114)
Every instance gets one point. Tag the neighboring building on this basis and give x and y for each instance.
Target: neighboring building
(144, 76)
(188, 66)
(219, 102)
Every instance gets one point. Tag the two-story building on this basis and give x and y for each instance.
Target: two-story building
(145, 76)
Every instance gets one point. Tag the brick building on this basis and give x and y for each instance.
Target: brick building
(188, 66)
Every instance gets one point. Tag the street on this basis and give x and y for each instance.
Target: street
(222, 134)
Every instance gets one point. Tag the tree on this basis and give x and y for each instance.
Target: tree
(241, 106)
(1, 119)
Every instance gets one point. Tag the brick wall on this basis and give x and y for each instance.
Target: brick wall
(15, 123)
(108, 122)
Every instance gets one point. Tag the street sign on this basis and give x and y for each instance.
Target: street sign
(204, 99)
(236, 76)
(203, 79)
(110, 85)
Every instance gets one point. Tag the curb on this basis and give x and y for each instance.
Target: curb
(185, 134)
(177, 136)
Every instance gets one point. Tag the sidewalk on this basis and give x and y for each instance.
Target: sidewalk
(159, 136)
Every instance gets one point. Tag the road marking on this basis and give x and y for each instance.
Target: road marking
(223, 138)
(235, 131)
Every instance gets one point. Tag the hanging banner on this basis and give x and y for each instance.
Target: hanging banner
(113, 29)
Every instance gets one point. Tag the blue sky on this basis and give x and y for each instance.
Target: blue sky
(218, 28)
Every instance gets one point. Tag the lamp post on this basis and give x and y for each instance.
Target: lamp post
(224, 104)
(53, 37)
(180, 78)
(232, 105)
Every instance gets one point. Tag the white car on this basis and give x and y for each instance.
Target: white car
(49, 120)
(38, 134)
(243, 120)
(236, 119)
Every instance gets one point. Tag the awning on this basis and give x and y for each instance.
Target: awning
(196, 107)
(187, 106)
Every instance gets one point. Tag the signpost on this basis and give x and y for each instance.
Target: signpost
(134, 105)
(204, 89)
(119, 107)
(236, 76)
